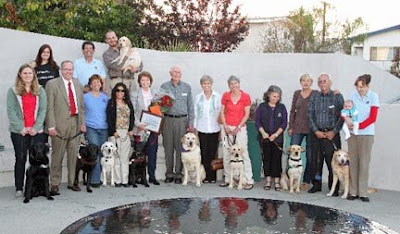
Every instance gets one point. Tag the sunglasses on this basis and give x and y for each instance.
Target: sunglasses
(120, 90)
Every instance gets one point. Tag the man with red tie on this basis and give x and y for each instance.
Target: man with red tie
(64, 121)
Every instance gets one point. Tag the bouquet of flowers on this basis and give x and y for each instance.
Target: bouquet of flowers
(161, 103)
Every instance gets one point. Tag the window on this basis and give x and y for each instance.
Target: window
(383, 53)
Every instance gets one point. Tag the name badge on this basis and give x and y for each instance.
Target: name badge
(184, 94)
(331, 107)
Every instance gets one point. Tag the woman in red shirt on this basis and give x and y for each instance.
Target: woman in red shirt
(235, 110)
(26, 110)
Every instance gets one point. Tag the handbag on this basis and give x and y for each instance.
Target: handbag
(217, 164)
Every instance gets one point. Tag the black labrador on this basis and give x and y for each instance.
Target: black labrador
(86, 162)
(138, 165)
(37, 174)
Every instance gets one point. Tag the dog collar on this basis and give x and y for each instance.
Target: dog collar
(296, 166)
(184, 151)
(296, 160)
(44, 166)
(236, 161)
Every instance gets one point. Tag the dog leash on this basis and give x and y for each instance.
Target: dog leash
(229, 141)
(334, 145)
(69, 138)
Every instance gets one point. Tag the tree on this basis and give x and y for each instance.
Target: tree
(205, 25)
(80, 19)
(201, 25)
(312, 32)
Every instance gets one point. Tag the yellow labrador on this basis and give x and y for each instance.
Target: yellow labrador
(109, 151)
(236, 166)
(126, 50)
(341, 172)
(294, 171)
(193, 170)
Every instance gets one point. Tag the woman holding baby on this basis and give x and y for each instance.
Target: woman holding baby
(360, 146)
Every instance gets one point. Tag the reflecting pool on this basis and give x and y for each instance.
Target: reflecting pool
(223, 215)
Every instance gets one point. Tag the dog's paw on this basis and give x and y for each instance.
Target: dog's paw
(240, 187)
(184, 183)
(344, 196)
(26, 200)
(291, 192)
(198, 184)
(89, 190)
(134, 185)
(50, 198)
(297, 190)
(146, 185)
(230, 186)
(104, 184)
(329, 194)
(113, 184)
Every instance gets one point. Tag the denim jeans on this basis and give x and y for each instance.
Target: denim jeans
(152, 148)
(21, 146)
(297, 139)
(97, 137)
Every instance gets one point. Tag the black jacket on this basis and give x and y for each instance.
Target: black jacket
(111, 113)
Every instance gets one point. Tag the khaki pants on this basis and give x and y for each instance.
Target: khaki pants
(241, 139)
(172, 132)
(59, 146)
(130, 83)
(360, 148)
(121, 166)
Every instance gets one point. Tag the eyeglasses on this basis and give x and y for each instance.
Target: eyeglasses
(121, 90)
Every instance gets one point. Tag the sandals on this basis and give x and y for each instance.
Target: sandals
(213, 181)
(206, 181)
(267, 185)
(277, 185)
(247, 186)
(225, 184)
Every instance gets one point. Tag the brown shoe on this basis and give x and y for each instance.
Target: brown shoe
(74, 188)
(54, 190)
(304, 186)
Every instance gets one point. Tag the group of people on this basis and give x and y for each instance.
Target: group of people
(45, 103)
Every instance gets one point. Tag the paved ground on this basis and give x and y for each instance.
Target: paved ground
(42, 216)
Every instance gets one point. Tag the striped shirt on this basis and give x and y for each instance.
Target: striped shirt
(183, 100)
(324, 112)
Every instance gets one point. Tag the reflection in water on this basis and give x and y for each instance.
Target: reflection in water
(223, 215)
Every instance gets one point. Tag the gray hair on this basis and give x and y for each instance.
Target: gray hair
(206, 78)
(66, 61)
(175, 66)
(273, 89)
(325, 74)
(233, 78)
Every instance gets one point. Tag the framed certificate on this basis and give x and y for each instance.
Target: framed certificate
(152, 121)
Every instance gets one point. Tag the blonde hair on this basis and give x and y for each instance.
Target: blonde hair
(306, 76)
(20, 85)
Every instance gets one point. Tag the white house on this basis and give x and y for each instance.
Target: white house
(260, 27)
(379, 47)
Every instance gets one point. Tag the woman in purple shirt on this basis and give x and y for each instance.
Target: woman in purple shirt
(271, 121)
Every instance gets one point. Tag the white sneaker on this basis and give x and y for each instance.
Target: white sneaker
(19, 194)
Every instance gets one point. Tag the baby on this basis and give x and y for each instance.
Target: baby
(350, 111)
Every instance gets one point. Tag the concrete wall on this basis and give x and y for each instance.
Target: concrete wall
(257, 72)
